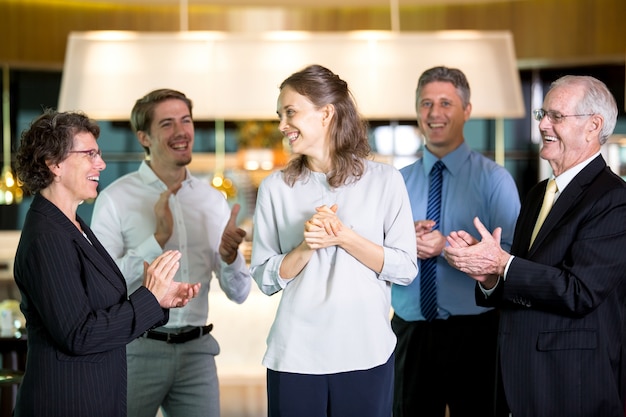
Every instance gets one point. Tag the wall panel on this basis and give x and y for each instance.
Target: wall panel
(546, 32)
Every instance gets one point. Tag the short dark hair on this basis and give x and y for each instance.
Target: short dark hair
(453, 76)
(46, 142)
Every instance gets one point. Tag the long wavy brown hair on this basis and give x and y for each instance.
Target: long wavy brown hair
(349, 144)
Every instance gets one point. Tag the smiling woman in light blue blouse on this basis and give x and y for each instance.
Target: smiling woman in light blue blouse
(332, 231)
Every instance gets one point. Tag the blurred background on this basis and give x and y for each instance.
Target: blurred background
(551, 38)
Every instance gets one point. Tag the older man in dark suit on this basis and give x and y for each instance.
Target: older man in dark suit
(561, 293)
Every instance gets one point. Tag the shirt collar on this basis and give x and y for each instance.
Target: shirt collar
(150, 178)
(566, 177)
(453, 161)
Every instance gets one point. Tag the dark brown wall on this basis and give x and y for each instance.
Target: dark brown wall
(33, 33)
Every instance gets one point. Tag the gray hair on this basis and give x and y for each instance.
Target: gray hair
(596, 100)
(444, 74)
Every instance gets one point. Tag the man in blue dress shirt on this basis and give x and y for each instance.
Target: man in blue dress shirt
(449, 359)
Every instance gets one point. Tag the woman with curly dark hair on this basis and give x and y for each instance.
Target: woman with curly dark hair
(332, 231)
(79, 316)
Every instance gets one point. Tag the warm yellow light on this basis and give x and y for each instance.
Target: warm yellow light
(9, 181)
(225, 186)
(371, 35)
(217, 182)
(286, 35)
(251, 165)
(10, 192)
(267, 165)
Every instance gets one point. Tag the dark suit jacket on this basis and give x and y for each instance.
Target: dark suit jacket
(79, 319)
(563, 304)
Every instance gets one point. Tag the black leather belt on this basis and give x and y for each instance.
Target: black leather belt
(180, 337)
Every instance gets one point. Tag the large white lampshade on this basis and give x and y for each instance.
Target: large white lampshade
(232, 76)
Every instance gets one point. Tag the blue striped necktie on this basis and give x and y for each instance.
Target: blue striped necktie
(428, 267)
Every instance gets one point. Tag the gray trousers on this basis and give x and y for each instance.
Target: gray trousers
(180, 378)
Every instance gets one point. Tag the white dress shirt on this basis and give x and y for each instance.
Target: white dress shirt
(124, 222)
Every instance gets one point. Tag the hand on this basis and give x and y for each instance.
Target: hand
(325, 218)
(159, 279)
(461, 239)
(423, 226)
(179, 294)
(482, 260)
(429, 242)
(323, 229)
(163, 215)
(231, 237)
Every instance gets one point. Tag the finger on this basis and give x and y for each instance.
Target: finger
(333, 208)
(484, 233)
(497, 234)
(165, 195)
(454, 240)
(314, 223)
(196, 289)
(423, 226)
(328, 227)
(232, 221)
(171, 271)
(463, 238)
(325, 209)
(175, 188)
(169, 256)
(167, 261)
(467, 238)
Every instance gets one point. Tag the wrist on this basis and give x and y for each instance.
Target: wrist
(503, 262)
(490, 282)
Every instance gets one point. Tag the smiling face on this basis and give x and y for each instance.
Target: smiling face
(171, 136)
(305, 126)
(573, 139)
(441, 117)
(78, 174)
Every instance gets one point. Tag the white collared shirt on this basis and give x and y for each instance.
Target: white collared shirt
(124, 222)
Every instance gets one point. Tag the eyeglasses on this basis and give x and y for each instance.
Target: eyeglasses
(91, 153)
(553, 116)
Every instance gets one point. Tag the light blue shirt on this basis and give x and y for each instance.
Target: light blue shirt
(473, 185)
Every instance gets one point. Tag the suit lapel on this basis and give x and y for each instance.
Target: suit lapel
(99, 256)
(527, 218)
(94, 252)
(567, 199)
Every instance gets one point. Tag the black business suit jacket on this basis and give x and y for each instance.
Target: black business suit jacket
(79, 319)
(563, 304)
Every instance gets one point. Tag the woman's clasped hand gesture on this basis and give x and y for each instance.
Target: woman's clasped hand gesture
(324, 228)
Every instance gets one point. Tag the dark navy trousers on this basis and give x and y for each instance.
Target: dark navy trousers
(364, 393)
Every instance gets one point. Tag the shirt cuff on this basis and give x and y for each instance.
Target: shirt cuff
(506, 267)
(488, 292)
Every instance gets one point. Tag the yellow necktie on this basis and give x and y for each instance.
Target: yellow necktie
(548, 200)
